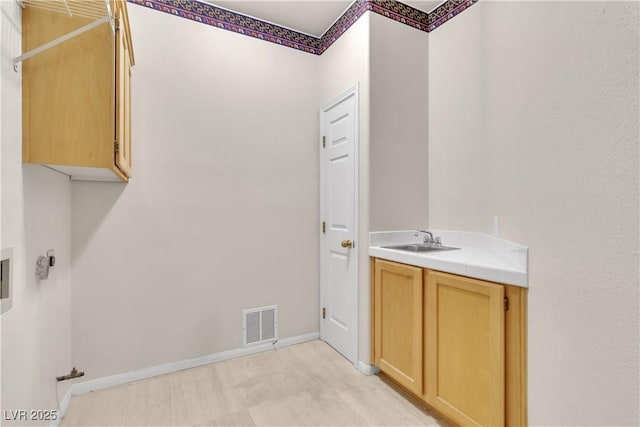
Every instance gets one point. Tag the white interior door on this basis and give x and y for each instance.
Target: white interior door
(338, 205)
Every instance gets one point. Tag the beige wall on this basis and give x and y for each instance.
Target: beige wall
(389, 61)
(458, 175)
(344, 64)
(35, 341)
(532, 115)
(221, 213)
(399, 125)
(534, 118)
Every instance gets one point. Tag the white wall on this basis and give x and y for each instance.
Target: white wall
(458, 176)
(532, 117)
(233, 92)
(399, 125)
(36, 332)
(344, 64)
(221, 213)
(556, 85)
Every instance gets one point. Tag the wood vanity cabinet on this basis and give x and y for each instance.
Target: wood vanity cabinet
(472, 334)
(76, 95)
(465, 352)
(398, 312)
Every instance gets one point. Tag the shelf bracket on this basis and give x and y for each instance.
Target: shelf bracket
(59, 40)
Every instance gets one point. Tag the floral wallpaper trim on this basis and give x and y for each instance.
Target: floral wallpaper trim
(232, 21)
(447, 11)
(391, 9)
(346, 20)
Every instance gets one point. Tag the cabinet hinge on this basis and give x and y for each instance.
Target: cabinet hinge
(116, 146)
(324, 313)
(116, 24)
(324, 141)
(324, 227)
(506, 304)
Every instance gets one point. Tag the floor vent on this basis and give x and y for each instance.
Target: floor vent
(259, 325)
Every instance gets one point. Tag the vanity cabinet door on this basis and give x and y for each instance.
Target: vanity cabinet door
(465, 360)
(398, 312)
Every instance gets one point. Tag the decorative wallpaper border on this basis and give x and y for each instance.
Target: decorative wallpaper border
(447, 11)
(348, 18)
(232, 21)
(402, 13)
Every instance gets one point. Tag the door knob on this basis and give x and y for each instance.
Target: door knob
(347, 244)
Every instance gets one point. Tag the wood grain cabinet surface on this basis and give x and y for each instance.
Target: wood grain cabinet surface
(398, 312)
(472, 338)
(465, 349)
(76, 95)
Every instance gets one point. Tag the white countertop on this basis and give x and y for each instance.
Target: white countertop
(480, 256)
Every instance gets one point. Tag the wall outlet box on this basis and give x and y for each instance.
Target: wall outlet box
(6, 279)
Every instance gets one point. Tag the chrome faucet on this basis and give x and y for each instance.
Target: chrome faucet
(428, 237)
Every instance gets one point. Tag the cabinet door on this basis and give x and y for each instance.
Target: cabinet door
(123, 97)
(398, 323)
(465, 363)
(67, 92)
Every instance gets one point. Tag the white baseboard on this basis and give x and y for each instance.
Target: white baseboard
(367, 369)
(167, 368)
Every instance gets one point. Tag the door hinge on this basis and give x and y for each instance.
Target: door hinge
(324, 141)
(116, 24)
(506, 304)
(324, 227)
(116, 146)
(324, 313)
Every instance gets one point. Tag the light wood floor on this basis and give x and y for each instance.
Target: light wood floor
(305, 384)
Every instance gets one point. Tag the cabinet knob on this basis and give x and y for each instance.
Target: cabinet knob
(347, 244)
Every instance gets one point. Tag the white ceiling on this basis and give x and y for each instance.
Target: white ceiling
(312, 17)
(423, 5)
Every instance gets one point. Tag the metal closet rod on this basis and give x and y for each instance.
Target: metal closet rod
(107, 18)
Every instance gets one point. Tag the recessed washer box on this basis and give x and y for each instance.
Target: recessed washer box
(6, 278)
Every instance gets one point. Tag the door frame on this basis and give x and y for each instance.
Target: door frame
(355, 92)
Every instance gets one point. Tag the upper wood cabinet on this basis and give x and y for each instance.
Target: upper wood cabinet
(398, 315)
(76, 95)
(124, 57)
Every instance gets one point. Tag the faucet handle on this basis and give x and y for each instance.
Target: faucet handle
(428, 237)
